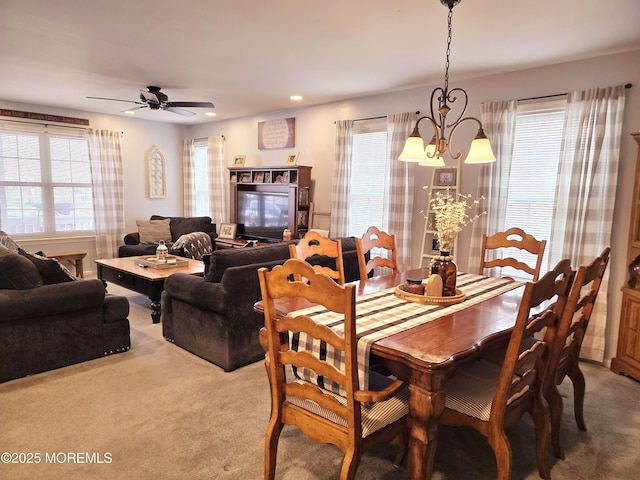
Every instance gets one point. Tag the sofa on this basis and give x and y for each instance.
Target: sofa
(174, 231)
(49, 319)
(213, 316)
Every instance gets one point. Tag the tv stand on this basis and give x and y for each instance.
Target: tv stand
(293, 182)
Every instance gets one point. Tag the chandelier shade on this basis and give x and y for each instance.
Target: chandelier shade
(441, 98)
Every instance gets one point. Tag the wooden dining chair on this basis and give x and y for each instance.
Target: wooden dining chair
(565, 353)
(490, 397)
(375, 238)
(352, 422)
(313, 244)
(512, 238)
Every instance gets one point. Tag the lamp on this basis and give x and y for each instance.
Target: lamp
(414, 149)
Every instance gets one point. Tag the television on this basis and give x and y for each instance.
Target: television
(262, 215)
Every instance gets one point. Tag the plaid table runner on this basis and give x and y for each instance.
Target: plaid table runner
(381, 314)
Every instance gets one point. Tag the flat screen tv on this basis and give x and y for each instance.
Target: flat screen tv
(262, 215)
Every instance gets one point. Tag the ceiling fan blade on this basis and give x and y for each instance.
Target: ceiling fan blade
(191, 104)
(116, 100)
(179, 111)
(134, 108)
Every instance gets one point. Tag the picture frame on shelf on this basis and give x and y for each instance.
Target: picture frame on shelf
(432, 244)
(234, 179)
(292, 159)
(238, 160)
(228, 231)
(445, 177)
(285, 177)
(267, 177)
(258, 177)
(245, 177)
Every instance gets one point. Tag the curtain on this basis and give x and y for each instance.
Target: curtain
(107, 184)
(585, 191)
(499, 123)
(341, 179)
(218, 186)
(188, 174)
(400, 188)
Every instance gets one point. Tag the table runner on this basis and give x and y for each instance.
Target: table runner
(381, 314)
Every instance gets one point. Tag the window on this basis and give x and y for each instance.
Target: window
(369, 172)
(45, 183)
(534, 170)
(202, 179)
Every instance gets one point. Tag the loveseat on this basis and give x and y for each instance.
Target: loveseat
(172, 230)
(213, 317)
(48, 319)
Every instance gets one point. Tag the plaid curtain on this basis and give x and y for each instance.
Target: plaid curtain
(219, 180)
(341, 179)
(188, 175)
(400, 189)
(106, 177)
(499, 123)
(586, 189)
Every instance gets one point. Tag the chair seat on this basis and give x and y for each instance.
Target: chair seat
(470, 390)
(374, 416)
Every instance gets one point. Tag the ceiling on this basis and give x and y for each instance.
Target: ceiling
(249, 56)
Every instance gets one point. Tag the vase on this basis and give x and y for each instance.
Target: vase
(444, 266)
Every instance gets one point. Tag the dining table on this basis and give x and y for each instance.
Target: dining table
(427, 348)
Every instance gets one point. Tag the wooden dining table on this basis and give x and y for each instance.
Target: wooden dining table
(425, 356)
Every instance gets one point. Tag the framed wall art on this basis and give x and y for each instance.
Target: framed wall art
(156, 174)
(277, 134)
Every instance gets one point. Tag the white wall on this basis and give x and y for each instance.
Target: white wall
(315, 137)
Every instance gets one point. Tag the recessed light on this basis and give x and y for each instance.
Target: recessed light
(295, 98)
(210, 114)
(129, 112)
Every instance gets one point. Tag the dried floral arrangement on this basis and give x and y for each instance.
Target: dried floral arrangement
(452, 213)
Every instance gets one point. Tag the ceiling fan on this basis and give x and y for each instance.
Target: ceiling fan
(154, 99)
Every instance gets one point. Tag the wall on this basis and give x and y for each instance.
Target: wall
(138, 138)
(315, 137)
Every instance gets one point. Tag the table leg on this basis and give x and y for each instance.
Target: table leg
(155, 297)
(426, 404)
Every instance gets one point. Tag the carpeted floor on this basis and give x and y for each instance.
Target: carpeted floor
(159, 412)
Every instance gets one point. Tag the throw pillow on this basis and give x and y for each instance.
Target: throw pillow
(16, 272)
(7, 241)
(152, 231)
(195, 245)
(50, 269)
(182, 225)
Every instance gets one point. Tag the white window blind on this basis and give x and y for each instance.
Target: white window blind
(534, 169)
(45, 183)
(369, 174)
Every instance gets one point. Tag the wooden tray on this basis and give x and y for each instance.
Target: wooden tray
(152, 261)
(428, 300)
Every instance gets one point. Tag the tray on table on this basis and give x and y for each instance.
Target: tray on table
(152, 261)
(429, 300)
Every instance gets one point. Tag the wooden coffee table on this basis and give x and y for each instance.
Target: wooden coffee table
(127, 272)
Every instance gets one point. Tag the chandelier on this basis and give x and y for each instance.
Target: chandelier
(414, 149)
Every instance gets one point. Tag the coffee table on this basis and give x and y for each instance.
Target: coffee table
(127, 272)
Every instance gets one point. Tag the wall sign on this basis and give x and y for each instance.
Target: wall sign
(277, 134)
(156, 174)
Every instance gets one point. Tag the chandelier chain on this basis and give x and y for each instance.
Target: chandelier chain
(446, 66)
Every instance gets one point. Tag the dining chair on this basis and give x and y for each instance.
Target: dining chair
(490, 397)
(565, 353)
(512, 238)
(375, 238)
(352, 422)
(313, 244)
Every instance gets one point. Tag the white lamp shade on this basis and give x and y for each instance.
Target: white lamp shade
(432, 162)
(413, 150)
(480, 152)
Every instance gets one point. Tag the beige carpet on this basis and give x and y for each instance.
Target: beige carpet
(159, 412)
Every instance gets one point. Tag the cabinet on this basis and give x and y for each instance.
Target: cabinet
(279, 198)
(627, 359)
